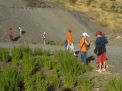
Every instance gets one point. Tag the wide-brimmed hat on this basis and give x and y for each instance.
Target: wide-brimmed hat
(85, 34)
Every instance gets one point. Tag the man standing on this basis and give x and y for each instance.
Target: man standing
(44, 37)
(10, 34)
(69, 41)
(84, 44)
(20, 30)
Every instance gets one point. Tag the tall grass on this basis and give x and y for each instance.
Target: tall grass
(9, 80)
(40, 82)
(84, 84)
(60, 69)
(28, 83)
(114, 84)
(53, 80)
(4, 54)
(28, 64)
(45, 62)
(70, 67)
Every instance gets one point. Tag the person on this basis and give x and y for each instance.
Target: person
(105, 42)
(44, 37)
(84, 44)
(10, 34)
(69, 40)
(100, 51)
(20, 30)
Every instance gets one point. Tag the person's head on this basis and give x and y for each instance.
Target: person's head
(99, 34)
(69, 30)
(85, 35)
(44, 32)
(10, 28)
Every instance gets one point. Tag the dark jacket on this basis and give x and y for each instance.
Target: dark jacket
(100, 45)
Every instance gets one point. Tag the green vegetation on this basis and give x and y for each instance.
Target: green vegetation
(32, 70)
(4, 55)
(114, 84)
(9, 80)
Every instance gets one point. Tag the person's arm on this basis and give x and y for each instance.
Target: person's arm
(87, 42)
(81, 42)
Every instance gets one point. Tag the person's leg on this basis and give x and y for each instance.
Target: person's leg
(104, 62)
(100, 66)
(68, 46)
(83, 56)
(11, 37)
(99, 60)
(44, 41)
(104, 66)
(20, 33)
(72, 47)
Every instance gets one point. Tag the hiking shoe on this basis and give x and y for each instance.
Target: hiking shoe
(103, 69)
(99, 70)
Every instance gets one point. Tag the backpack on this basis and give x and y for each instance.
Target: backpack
(99, 49)
(65, 43)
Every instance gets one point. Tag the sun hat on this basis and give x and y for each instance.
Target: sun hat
(85, 34)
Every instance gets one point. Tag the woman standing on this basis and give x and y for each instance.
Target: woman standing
(100, 51)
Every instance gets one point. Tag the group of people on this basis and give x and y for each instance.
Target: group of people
(99, 50)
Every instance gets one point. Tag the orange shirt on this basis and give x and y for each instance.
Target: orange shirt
(83, 47)
(69, 37)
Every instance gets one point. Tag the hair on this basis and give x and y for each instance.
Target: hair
(69, 30)
(10, 28)
(99, 33)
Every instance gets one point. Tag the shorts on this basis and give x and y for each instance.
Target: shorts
(101, 58)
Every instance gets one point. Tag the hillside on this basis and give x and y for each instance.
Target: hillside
(38, 16)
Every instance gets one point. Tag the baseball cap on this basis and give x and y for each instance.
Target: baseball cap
(85, 34)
